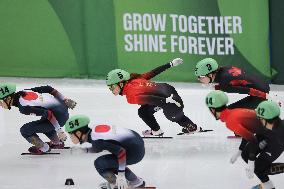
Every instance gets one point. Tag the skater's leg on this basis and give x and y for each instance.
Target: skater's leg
(133, 180)
(29, 132)
(61, 114)
(134, 156)
(264, 162)
(176, 114)
(55, 142)
(107, 167)
(146, 113)
(129, 175)
(52, 135)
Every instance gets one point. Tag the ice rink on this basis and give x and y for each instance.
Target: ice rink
(199, 161)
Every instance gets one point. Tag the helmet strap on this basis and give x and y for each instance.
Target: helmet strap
(212, 77)
(9, 104)
(265, 121)
(214, 113)
(121, 87)
(81, 137)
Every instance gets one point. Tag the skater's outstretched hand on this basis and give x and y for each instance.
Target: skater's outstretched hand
(250, 169)
(71, 104)
(235, 157)
(176, 62)
(121, 181)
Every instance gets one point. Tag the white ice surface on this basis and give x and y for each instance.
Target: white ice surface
(199, 161)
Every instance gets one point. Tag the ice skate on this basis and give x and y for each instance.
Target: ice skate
(191, 128)
(39, 150)
(138, 183)
(151, 133)
(260, 186)
(257, 187)
(107, 185)
(53, 145)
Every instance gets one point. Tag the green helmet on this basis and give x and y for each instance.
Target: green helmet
(7, 89)
(205, 66)
(216, 99)
(76, 122)
(268, 110)
(116, 76)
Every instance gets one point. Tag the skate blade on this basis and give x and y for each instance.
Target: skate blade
(156, 137)
(65, 147)
(201, 131)
(45, 153)
(234, 137)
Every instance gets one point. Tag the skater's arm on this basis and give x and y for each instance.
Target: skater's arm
(156, 71)
(50, 90)
(244, 133)
(97, 146)
(236, 86)
(160, 69)
(268, 134)
(243, 144)
(252, 143)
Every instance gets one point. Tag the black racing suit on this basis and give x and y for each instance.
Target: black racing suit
(42, 101)
(235, 80)
(153, 96)
(126, 148)
(265, 157)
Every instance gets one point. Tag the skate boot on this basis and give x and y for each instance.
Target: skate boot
(53, 145)
(191, 128)
(139, 183)
(39, 151)
(107, 185)
(264, 185)
(149, 133)
(257, 187)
